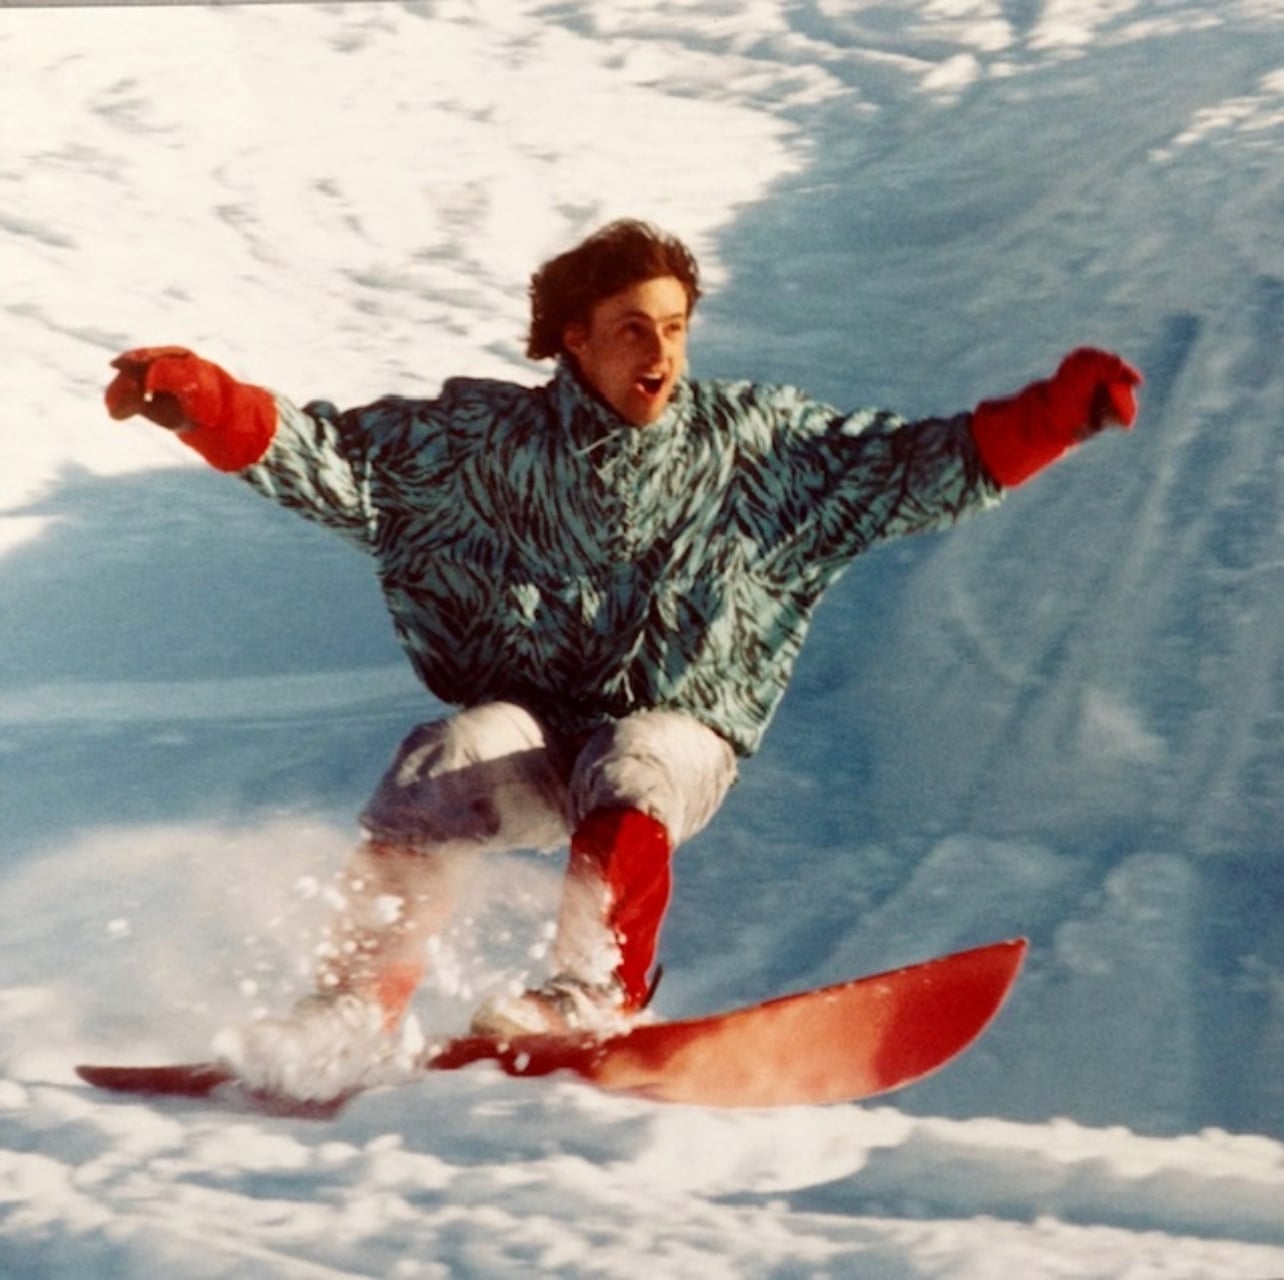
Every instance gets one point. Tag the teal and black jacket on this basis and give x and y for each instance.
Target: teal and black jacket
(534, 547)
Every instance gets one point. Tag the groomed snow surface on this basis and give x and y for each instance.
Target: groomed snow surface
(1061, 720)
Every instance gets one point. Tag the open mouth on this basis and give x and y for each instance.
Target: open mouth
(652, 383)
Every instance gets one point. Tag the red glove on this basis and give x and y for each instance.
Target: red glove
(1021, 435)
(229, 423)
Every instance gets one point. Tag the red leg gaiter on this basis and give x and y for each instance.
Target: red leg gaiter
(628, 852)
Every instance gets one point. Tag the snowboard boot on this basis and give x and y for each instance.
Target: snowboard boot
(562, 1006)
(328, 1045)
(613, 902)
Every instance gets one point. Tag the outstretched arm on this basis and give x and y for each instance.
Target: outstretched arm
(856, 480)
(301, 460)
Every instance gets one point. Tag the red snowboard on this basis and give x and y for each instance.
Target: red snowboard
(833, 1044)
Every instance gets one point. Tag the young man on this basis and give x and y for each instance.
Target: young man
(611, 576)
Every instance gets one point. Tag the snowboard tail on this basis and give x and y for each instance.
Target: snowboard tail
(840, 1043)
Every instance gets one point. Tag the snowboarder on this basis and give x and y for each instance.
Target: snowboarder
(609, 576)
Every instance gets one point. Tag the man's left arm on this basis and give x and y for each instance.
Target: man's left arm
(883, 478)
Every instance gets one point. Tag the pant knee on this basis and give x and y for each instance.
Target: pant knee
(485, 778)
(664, 763)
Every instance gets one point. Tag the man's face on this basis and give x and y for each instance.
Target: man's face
(633, 349)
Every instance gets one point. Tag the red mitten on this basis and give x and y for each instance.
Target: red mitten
(1019, 436)
(229, 423)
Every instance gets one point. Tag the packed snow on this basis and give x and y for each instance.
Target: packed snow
(1062, 719)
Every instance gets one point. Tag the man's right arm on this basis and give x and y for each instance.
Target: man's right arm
(302, 460)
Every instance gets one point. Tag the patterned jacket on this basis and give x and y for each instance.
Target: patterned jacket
(534, 547)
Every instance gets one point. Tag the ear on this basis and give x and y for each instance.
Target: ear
(575, 338)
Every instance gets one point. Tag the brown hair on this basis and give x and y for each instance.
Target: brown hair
(566, 289)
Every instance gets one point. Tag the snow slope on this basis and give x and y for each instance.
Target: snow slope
(1062, 720)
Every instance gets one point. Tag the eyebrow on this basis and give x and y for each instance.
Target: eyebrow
(646, 315)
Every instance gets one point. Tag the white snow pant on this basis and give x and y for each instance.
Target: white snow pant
(491, 779)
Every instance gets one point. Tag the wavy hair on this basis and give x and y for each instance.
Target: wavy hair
(565, 289)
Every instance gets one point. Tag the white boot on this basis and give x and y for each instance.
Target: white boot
(327, 1046)
(562, 1006)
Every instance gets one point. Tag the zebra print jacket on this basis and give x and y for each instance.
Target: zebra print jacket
(534, 547)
